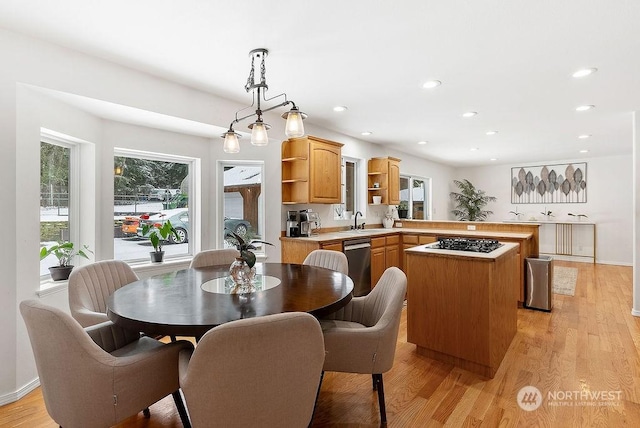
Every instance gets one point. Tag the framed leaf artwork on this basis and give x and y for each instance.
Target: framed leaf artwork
(549, 184)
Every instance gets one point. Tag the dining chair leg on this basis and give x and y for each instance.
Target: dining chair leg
(373, 378)
(147, 413)
(182, 411)
(315, 404)
(380, 388)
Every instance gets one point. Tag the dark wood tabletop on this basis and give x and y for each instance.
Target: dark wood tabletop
(175, 303)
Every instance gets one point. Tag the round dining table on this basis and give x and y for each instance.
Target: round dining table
(189, 302)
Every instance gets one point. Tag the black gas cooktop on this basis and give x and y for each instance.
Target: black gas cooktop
(468, 244)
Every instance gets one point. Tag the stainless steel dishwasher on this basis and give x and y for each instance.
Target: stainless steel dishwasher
(358, 252)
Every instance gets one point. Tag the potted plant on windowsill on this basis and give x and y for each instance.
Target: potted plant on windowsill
(65, 252)
(403, 209)
(158, 234)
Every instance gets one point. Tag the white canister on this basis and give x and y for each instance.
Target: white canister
(377, 200)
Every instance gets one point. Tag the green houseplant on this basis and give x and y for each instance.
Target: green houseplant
(65, 252)
(470, 202)
(243, 270)
(158, 233)
(403, 209)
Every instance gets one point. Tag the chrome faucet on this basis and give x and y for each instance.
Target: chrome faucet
(355, 221)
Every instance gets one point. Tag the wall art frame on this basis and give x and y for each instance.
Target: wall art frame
(549, 184)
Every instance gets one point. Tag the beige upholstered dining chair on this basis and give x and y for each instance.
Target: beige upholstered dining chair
(362, 336)
(334, 260)
(255, 372)
(214, 257)
(98, 376)
(90, 286)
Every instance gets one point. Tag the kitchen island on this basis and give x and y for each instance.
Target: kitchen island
(462, 306)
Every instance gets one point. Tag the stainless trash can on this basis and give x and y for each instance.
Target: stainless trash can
(539, 283)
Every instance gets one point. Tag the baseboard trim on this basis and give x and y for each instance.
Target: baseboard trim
(635, 312)
(15, 396)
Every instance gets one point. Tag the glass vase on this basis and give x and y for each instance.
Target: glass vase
(242, 276)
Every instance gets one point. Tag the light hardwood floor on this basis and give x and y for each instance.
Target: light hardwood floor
(589, 342)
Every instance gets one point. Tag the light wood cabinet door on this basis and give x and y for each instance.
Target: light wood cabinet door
(394, 181)
(333, 246)
(392, 256)
(325, 174)
(377, 264)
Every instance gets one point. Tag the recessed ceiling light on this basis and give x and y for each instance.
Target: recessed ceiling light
(366, 133)
(422, 143)
(584, 136)
(584, 72)
(430, 84)
(469, 114)
(473, 149)
(493, 159)
(340, 108)
(584, 151)
(491, 132)
(584, 108)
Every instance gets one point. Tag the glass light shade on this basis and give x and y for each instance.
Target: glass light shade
(259, 134)
(231, 144)
(294, 127)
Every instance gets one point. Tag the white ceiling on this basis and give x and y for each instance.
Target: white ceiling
(511, 61)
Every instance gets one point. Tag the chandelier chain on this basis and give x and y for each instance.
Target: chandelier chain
(251, 78)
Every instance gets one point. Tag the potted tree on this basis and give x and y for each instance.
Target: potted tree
(65, 252)
(158, 234)
(470, 202)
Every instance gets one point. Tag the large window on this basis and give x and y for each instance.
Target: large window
(241, 187)
(56, 179)
(415, 192)
(154, 187)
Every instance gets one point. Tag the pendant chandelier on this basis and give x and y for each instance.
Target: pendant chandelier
(294, 117)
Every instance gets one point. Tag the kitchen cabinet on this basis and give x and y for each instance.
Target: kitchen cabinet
(412, 240)
(333, 246)
(385, 252)
(383, 180)
(311, 169)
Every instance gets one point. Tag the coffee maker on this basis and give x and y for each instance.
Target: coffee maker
(309, 223)
(293, 224)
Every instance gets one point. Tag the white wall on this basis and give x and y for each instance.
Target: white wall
(609, 201)
(29, 66)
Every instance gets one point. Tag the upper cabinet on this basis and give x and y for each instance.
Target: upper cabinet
(384, 180)
(311, 171)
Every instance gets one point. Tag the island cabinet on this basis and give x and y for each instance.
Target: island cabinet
(461, 306)
(311, 171)
(385, 252)
(383, 180)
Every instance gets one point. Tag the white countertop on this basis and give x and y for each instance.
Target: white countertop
(368, 233)
(428, 250)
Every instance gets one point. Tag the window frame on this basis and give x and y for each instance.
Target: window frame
(359, 195)
(53, 138)
(192, 163)
(427, 196)
(219, 188)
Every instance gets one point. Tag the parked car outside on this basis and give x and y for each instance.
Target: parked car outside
(179, 219)
(237, 225)
(130, 225)
(163, 194)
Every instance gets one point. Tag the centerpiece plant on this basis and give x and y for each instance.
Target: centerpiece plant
(243, 270)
